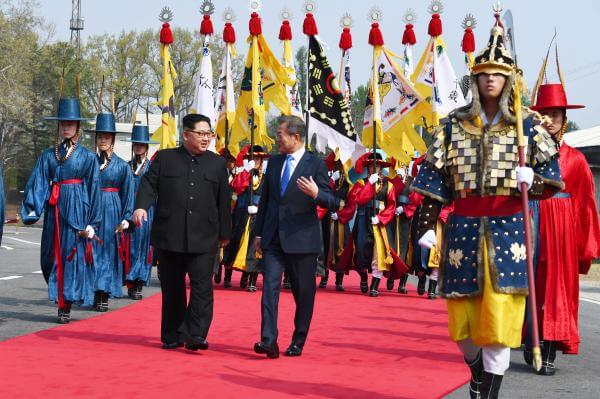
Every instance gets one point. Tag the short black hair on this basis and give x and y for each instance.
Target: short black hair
(190, 120)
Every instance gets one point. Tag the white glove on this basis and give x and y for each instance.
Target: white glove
(524, 175)
(428, 240)
(239, 170)
(90, 232)
(249, 165)
(335, 176)
(399, 210)
(334, 216)
(32, 214)
(252, 210)
(374, 220)
(124, 224)
(264, 166)
(401, 172)
(373, 178)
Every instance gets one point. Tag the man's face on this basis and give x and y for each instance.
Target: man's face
(104, 141)
(197, 140)
(68, 129)
(557, 117)
(287, 143)
(490, 85)
(140, 149)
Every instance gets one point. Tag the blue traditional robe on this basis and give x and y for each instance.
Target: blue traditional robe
(140, 251)
(76, 182)
(116, 205)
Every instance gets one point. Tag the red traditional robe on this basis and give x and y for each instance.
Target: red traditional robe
(569, 239)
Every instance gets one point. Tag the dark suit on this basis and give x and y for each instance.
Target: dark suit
(192, 197)
(290, 232)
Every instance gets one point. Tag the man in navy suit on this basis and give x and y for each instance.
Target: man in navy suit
(288, 232)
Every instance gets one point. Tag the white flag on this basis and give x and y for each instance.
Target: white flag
(225, 98)
(204, 102)
(408, 62)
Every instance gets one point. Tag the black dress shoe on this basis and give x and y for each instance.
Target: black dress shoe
(389, 284)
(172, 345)
(263, 348)
(196, 343)
(293, 350)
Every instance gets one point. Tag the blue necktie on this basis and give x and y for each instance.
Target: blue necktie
(287, 174)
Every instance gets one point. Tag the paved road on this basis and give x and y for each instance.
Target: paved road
(24, 308)
(24, 304)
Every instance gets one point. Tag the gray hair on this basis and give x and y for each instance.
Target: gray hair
(293, 125)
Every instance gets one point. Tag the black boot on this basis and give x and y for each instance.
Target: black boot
(548, 358)
(476, 367)
(252, 282)
(227, 279)
(218, 274)
(390, 284)
(96, 300)
(528, 355)
(373, 291)
(286, 282)
(364, 282)
(138, 289)
(324, 279)
(490, 385)
(432, 289)
(244, 280)
(339, 281)
(421, 285)
(402, 287)
(64, 314)
(103, 305)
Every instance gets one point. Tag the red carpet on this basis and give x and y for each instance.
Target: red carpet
(359, 347)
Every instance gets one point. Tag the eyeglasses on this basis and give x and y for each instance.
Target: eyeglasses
(203, 134)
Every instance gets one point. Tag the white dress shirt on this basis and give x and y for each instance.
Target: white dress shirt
(296, 156)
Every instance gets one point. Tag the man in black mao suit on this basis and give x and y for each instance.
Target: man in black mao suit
(288, 232)
(190, 188)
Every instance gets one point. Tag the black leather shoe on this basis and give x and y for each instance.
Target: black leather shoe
(293, 350)
(263, 348)
(218, 274)
(389, 284)
(196, 343)
(421, 285)
(172, 345)
(323, 283)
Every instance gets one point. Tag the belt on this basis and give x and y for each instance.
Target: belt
(60, 269)
(110, 189)
(562, 195)
(496, 206)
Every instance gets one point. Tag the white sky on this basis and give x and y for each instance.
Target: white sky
(535, 21)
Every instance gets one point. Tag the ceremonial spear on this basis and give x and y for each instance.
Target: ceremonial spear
(309, 28)
(509, 35)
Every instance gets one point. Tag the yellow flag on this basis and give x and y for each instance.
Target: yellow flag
(166, 134)
(263, 84)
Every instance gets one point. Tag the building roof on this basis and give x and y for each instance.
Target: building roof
(583, 138)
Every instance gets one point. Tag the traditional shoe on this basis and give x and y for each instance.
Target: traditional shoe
(195, 343)
(131, 293)
(218, 274)
(323, 283)
(339, 288)
(432, 289)
(244, 280)
(374, 290)
(264, 348)
(64, 314)
(293, 350)
(364, 283)
(421, 285)
(402, 286)
(103, 304)
(138, 290)
(389, 284)
(96, 300)
(476, 367)
(548, 358)
(490, 385)
(227, 280)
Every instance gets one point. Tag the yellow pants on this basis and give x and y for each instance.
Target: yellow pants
(489, 319)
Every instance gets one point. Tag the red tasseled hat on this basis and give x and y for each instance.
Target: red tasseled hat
(346, 39)
(409, 35)
(309, 27)
(375, 35)
(468, 41)
(166, 36)
(552, 96)
(255, 25)
(285, 32)
(206, 27)
(228, 33)
(435, 26)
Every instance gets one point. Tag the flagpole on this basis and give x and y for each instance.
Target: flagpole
(309, 28)
(375, 40)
